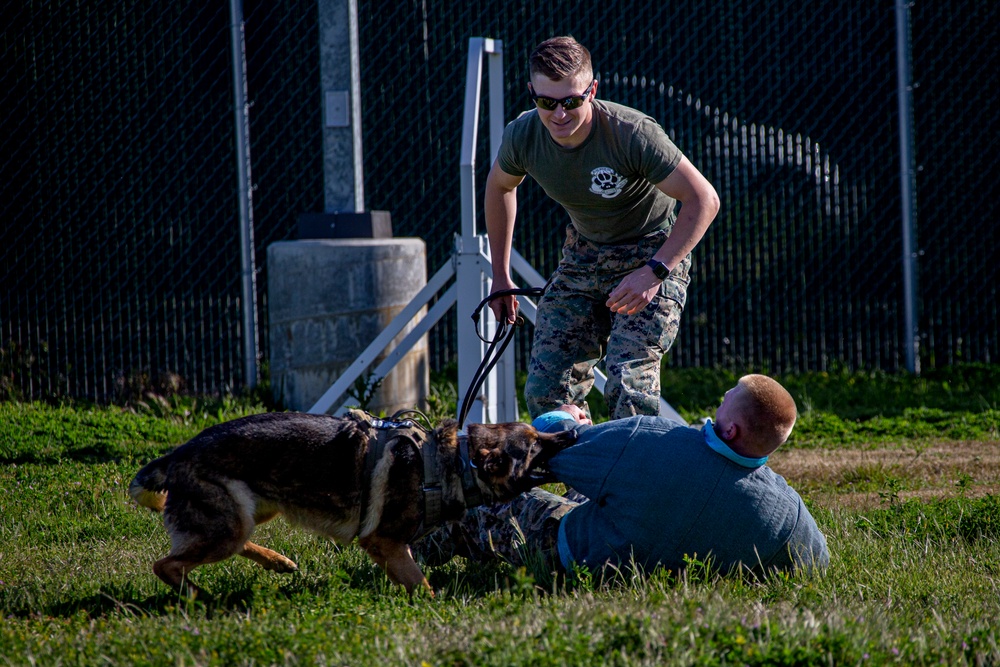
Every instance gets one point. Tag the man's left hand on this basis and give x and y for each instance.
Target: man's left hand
(634, 292)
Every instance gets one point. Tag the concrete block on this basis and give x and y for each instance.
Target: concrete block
(327, 301)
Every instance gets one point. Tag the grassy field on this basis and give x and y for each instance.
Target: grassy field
(902, 474)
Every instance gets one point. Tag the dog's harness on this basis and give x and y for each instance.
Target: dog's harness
(388, 430)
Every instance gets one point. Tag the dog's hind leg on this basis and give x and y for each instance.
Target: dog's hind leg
(173, 571)
(269, 560)
(397, 562)
(207, 522)
(191, 550)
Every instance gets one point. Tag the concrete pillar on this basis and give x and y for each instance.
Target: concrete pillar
(327, 301)
(340, 80)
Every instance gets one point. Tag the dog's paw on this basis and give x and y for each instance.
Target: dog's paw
(283, 565)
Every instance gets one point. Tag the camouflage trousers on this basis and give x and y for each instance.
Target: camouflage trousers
(514, 532)
(574, 329)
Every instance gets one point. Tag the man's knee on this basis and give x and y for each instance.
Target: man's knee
(546, 393)
(627, 397)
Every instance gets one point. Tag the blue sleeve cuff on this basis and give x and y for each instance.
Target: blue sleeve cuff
(552, 422)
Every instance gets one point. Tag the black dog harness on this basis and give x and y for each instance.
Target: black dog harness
(387, 431)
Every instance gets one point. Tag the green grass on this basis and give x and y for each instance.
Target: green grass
(843, 408)
(911, 581)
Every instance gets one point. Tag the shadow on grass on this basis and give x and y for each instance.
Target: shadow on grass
(122, 603)
(94, 453)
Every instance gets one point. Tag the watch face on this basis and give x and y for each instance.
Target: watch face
(660, 269)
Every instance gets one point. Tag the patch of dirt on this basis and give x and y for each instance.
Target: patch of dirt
(861, 478)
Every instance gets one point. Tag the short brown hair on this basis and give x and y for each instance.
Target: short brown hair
(768, 410)
(558, 58)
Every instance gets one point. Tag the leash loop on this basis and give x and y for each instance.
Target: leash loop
(504, 334)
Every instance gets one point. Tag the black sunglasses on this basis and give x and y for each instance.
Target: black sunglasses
(568, 103)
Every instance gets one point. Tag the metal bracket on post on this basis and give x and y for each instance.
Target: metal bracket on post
(248, 271)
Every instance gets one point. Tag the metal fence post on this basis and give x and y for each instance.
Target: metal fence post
(241, 117)
(911, 339)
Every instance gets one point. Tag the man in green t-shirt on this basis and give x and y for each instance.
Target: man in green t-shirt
(621, 284)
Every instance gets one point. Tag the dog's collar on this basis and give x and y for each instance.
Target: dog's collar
(433, 491)
(376, 447)
(389, 424)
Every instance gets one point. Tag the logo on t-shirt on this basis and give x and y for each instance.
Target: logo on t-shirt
(606, 182)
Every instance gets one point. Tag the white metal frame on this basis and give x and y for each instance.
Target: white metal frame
(471, 267)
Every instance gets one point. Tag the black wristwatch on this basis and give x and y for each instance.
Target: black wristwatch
(660, 269)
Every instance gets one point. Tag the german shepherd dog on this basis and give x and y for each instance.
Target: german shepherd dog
(385, 483)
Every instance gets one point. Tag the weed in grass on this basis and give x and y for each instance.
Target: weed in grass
(969, 519)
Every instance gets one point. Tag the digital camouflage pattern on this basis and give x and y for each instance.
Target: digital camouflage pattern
(574, 329)
(512, 532)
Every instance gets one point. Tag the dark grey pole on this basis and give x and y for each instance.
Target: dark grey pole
(907, 183)
(340, 81)
(241, 117)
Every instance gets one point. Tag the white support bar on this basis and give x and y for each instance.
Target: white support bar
(520, 266)
(468, 246)
(527, 308)
(494, 48)
(506, 387)
(497, 399)
(382, 341)
(470, 128)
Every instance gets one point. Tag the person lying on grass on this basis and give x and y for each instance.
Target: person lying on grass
(650, 491)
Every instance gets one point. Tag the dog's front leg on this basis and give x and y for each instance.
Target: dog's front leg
(269, 560)
(397, 562)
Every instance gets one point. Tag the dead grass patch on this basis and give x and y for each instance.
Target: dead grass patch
(860, 478)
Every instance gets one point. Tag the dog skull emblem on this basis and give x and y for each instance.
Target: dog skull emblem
(606, 182)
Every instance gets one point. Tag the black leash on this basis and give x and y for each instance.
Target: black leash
(504, 334)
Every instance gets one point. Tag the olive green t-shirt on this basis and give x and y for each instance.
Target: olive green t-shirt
(607, 183)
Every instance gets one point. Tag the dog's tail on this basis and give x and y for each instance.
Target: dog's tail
(149, 488)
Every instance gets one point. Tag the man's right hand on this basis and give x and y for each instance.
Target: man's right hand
(504, 306)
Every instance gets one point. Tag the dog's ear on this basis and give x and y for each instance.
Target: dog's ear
(495, 462)
(560, 439)
(447, 430)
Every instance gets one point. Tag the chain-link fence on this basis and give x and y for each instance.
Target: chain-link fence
(119, 248)
(119, 251)
(791, 110)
